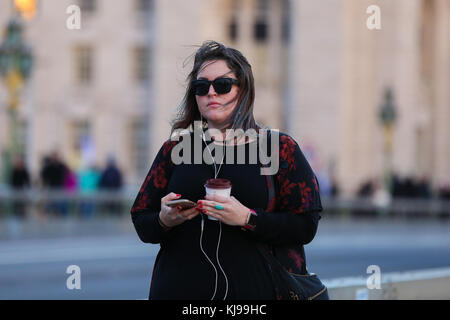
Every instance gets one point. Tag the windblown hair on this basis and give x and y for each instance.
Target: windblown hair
(242, 116)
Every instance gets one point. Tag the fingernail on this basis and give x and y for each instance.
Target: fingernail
(204, 211)
(178, 195)
(200, 201)
(200, 206)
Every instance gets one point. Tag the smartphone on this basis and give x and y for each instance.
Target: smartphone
(183, 203)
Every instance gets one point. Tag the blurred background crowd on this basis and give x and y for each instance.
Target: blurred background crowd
(57, 177)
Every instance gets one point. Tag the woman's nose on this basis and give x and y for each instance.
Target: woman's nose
(211, 90)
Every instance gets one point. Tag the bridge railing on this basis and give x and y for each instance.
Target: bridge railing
(103, 202)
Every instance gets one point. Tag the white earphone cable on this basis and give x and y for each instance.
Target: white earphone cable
(216, 173)
(217, 258)
(201, 248)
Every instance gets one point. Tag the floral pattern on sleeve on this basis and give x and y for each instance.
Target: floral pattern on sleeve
(155, 184)
(298, 186)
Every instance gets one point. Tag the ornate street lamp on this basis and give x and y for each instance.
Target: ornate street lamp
(15, 67)
(388, 116)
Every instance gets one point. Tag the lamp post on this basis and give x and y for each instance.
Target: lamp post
(388, 116)
(15, 67)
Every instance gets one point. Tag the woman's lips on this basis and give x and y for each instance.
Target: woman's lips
(213, 105)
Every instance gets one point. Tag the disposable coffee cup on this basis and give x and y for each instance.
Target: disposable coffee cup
(220, 187)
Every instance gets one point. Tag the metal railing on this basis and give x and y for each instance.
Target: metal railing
(399, 207)
(36, 201)
(101, 202)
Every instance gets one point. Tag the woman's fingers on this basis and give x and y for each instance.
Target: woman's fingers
(228, 210)
(170, 196)
(192, 215)
(213, 214)
(215, 200)
(212, 204)
(189, 213)
(214, 209)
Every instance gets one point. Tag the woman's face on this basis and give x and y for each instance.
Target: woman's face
(214, 107)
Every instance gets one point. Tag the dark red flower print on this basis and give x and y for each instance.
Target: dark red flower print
(142, 203)
(168, 146)
(305, 191)
(159, 179)
(305, 196)
(286, 188)
(145, 184)
(287, 150)
(316, 185)
(286, 193)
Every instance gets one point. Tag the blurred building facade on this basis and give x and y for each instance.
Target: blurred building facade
(88, 97)
(114, 85)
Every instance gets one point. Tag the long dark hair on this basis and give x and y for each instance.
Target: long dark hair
(242, 116)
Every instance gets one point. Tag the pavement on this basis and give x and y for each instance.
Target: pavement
(114, 264)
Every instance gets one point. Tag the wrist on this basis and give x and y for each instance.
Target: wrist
(162, 223)
(250, 223)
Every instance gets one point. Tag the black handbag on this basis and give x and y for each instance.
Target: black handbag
(290, 286)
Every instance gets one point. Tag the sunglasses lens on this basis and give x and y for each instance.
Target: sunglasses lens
(201, 87)
(222, 85)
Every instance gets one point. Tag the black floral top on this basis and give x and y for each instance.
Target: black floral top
(285, 224)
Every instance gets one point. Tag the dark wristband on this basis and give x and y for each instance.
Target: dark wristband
(251, 221)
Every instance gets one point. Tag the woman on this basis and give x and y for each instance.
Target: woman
(202, 258)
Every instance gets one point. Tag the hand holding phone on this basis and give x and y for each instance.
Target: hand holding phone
(183, 203)
(170, 216)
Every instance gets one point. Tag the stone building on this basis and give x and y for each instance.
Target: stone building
(320, 73)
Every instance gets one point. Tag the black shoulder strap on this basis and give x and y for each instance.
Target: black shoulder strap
(271, 179)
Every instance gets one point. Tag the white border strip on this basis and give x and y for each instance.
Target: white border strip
(414, 275)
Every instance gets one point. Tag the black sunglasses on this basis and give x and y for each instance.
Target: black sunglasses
(221, 85)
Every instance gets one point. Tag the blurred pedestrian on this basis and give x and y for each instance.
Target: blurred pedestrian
(111, 183)
(70, 181)
(423, 188)
(19, 182)
(366, 192)
(218, 254)
(444, 191)
(335, 191)
(367, 189)
(53, 176)
(88, 179)
(53, 172)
